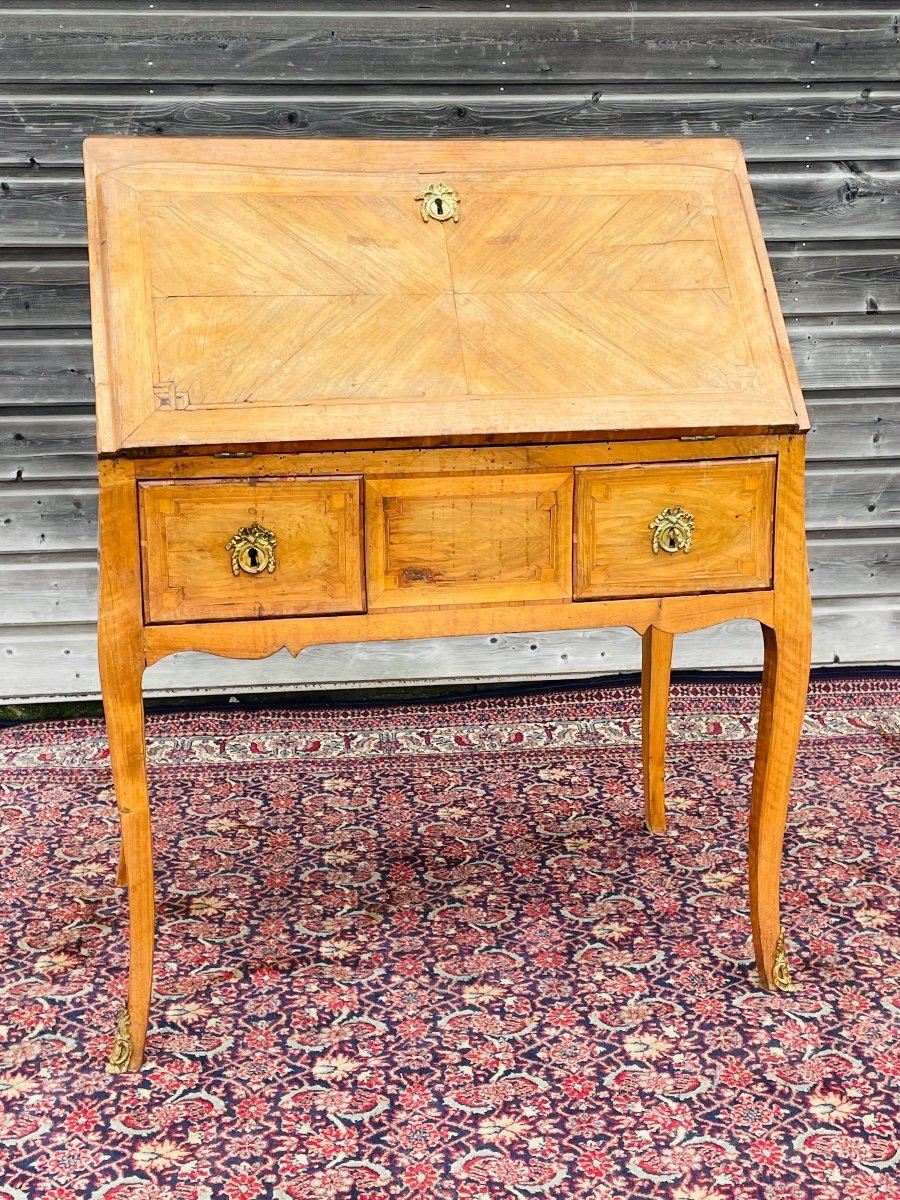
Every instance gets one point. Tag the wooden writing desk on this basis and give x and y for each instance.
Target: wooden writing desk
(354, 390)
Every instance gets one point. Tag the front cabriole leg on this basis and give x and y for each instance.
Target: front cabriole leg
(121, 655)
(787, 649)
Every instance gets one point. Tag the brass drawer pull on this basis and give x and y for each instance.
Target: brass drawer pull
(252, 550)
(673, 529)
(440, 202)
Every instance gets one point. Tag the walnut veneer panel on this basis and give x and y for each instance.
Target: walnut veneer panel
(579, 292)
(732, 503)
(468, 539)
(186, 528)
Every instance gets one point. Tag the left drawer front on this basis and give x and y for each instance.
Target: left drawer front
(208, 554)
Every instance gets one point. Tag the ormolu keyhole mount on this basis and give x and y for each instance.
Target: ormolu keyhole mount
(440, 203)
(252, 550)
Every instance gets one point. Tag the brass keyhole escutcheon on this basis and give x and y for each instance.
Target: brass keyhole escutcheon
(440, 203)
(252, 550)
(673, 530)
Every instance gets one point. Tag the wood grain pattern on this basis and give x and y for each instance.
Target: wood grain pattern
(62, 445)
(787, 640)
(851, 629)
(187, 565)
(121, 654)
(468, 539)
(520, 308)
(451, 46)
(823, 166)
(314, 287)
(791, 123)
(656, 670)
(39, 290)
(732, 506)
(844, 352)
(815, 200)
(259, 639)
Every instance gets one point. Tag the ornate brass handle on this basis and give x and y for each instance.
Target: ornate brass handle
(439, 202)
(252, 550)
(673, 529)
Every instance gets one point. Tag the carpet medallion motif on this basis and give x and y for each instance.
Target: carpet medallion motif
(430, 951)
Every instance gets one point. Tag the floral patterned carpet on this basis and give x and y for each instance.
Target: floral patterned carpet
(430, 951)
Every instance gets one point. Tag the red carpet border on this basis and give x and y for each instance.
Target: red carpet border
(430, 951)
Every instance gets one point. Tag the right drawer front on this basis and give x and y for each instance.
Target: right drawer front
(722, 510)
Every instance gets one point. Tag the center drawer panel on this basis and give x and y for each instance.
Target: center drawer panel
(207, 548)
(479, 539)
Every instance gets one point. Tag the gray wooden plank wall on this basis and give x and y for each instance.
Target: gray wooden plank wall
(813, 91)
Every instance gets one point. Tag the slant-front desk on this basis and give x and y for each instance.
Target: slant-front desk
(354, 390)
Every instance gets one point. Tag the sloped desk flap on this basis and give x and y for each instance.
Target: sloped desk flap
(255, 292)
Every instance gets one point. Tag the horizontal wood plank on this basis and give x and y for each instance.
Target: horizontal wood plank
(846, 352)
(861, 427)
(42, 291)
(38, 443)
(506, 46)
(61, 588)
(48, 517)
(825, 167)
(847, 498)
(850, 280)
(796, 201)
(34, 665)
(49, 588)
(841, 353)
(819, 200)
(62, 515)
(796, 123)
(46, 368)
(820, 278)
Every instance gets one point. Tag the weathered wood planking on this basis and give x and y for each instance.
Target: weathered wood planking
(38, 444)
(822, 136)
(40, 290)
(837, 353)
(62, 588)
(46, 368)
(44, 291)
(846, 352)
(62, 515)
(795, 122)
(40, 207)
(828, 279)
(812, 200)
(506, 46)
(796, 201)
(65, 664)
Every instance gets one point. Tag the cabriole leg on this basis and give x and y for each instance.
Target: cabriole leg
(656, 671)
(121, 657)
(124, 709)
(785, 679)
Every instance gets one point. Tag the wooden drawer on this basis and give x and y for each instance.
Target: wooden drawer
(478, 539)
(731, 503)
(198, 567)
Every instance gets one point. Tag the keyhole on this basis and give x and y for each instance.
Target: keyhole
(438, 205)
(670, 540)
(253, 556)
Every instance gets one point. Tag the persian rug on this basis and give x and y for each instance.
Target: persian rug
(429, 950)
